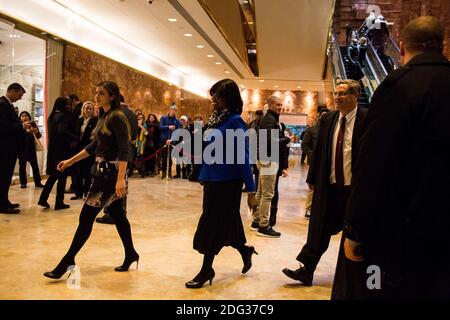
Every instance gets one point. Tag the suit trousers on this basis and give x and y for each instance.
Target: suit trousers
(332, 223)
(7, 164)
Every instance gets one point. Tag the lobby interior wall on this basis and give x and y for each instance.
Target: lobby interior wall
(399, 12)
(83, 70)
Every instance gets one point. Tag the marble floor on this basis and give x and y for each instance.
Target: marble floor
(163, 216)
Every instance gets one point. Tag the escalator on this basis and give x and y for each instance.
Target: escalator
(363, 97)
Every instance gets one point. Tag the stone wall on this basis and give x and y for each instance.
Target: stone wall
(400, 12)
(83, 70)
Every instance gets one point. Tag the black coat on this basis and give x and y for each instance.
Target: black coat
(85, 139)
(399, 204)
(11, 130)
(61, 135)
(319, 171)
(28, 151)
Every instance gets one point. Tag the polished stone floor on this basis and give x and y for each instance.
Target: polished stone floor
(163, 216)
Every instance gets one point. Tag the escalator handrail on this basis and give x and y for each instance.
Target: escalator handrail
(383, 69)
(341, 62)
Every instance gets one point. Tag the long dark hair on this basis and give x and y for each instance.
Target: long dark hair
(60, 105)
(156, 119)
(25, 112)
(113, 90)
(229, 91)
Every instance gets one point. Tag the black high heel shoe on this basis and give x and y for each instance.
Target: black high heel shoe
(61, 269)
(200, 280)
(248, 259)
(127, 263)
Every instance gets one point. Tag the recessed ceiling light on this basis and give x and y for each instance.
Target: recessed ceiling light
(261, 80)
(172, 20)
(210, 56)
(299, 87)
(200, 46)
(250, 22)
(226, 71)
(218, 62)
(188, 35)
(15, 36)
(275, 86)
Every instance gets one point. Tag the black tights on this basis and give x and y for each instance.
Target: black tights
(208, 258)
(87, 218)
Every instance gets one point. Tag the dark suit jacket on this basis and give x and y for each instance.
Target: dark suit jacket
(11, 130)
(85, 139)
(399, 205)
(320, 169)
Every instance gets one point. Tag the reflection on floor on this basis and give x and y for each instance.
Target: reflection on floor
(164, 217)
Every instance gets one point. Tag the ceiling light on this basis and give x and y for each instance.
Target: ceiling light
(299, 87)
(218, 62)
(200, 46)
(188, 35)
(226, 71)
(15, 36)
(250, 22)
(172, 20)
(275, 86)
(210, 56)
(261, 80)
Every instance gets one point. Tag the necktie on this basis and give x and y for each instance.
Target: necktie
(339, 159)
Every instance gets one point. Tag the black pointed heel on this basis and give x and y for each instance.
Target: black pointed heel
(200, 280)
(248, 259)
(63, 267)
(127, 263)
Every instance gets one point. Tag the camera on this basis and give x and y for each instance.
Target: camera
(33, 124)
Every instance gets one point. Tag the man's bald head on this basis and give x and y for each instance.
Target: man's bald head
(423, 34)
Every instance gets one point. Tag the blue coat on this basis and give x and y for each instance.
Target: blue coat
(227, 172)
(164, 124)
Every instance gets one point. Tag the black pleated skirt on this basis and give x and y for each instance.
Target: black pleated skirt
(220, 223)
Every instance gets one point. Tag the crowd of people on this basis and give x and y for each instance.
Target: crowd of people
(367, 175)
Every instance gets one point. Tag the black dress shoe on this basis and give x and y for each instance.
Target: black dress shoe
(76, 198)
(106, 219)
(39, 185)
(301, 274)
(61, 206)
(44, 204)
(13, 205)
(200, 280)
(9, 210)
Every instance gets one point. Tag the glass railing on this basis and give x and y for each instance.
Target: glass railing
(379, 71)
(337, 60)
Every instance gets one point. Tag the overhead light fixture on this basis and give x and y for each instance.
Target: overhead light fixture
(275, 86)
(299, 87)
(218, 62)
(172, 20)
(261, 80)
(250, 22)
(188, 35)
(200, 46)
(15, 36)
(226, 71)
(210, 56)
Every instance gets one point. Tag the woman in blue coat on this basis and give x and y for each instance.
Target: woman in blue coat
(220, 223)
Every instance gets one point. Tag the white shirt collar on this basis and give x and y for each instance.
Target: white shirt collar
(349, 116)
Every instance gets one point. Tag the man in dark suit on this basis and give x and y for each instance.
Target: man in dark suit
(330, 175)
(11, 136)
(398, 214)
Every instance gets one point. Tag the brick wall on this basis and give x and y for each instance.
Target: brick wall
(400, 12)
